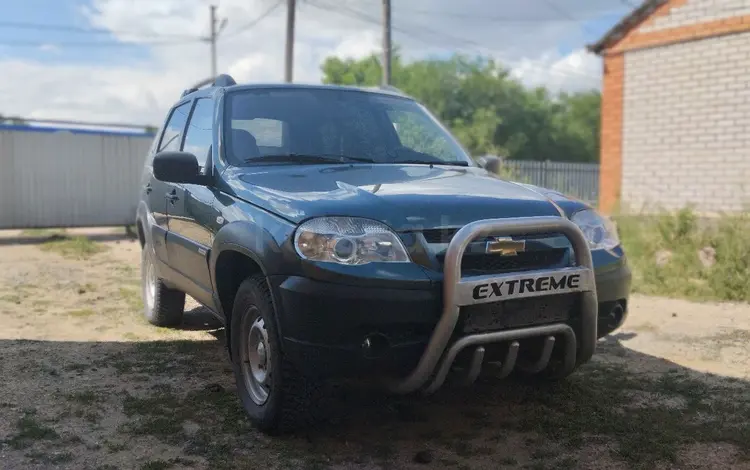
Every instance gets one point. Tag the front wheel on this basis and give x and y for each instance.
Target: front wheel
(162, 306)
(276, 396)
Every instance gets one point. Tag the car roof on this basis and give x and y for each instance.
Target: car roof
(376, 90)
(224, 82)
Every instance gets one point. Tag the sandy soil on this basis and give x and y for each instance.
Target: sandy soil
(87, 383)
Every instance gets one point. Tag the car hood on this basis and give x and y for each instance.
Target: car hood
(404, 196)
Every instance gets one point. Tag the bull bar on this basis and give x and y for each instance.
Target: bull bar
(438, 356)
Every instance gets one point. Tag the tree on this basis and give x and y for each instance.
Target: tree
(487, 110)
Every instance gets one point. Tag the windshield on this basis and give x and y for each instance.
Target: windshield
(314, 124)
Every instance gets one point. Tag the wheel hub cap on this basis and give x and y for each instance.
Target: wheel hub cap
(150, 287)
(256, 364)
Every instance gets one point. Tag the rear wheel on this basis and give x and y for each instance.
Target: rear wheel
(276, 396)
(162, 306)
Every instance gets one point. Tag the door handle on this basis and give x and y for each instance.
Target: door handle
(172, 196)
(148, 188)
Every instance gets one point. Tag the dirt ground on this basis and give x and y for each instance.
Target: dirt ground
(88, 384)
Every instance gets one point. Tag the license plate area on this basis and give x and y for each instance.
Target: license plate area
(516, 313)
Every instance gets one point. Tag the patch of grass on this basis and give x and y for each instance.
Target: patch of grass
(86, 397)
(30, 429)
(132, 297)
(82, 313)
(160, 464)
(115, 447)
(677, 238)
(76, 367)
(508, 461)
(543, 454)
(41, 232)
(11, 298)
(49, 458)
(75, 247)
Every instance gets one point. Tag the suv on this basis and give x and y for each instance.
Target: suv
(341, 231)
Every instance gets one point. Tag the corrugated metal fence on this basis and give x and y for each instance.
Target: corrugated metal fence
(53, 178)
(580, 180)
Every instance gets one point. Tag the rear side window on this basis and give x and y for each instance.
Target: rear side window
(198, 137)
(170, 139)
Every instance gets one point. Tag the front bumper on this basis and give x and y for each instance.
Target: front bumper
(344, 330)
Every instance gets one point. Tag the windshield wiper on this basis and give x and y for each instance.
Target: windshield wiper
(307, 158)
(439, 162)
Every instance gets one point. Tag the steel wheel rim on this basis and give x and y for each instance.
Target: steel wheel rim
(256, 360)
(150, 283)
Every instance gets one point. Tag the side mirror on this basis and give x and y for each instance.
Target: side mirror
(490, 163)
(178, 167)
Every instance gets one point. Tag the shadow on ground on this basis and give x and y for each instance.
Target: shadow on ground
(172, 404)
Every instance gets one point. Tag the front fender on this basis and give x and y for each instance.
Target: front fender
(253, 241)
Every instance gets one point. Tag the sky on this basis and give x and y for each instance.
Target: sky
(128, 60)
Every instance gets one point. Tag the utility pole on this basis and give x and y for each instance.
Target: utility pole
(212, 38)
(289, 57)
(386, 42)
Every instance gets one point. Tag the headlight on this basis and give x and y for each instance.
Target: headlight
(348, 240)
(600, 232)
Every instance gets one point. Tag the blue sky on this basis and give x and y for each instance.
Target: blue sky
(60, 13)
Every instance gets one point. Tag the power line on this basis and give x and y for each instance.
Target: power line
(94, 44)
(498, 19)
(256, 20)
(472, 45)
(559, 10)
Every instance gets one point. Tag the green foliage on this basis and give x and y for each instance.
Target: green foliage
(487, 110)
(79, 246)
(665, 252)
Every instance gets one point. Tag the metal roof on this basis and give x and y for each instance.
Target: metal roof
(625, 25)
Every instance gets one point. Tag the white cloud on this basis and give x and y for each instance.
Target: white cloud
(579, 70)
(141, 91)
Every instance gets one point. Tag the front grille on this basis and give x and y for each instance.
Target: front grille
(475, 264)
(516, 313)
(445, 235)
(442, 235)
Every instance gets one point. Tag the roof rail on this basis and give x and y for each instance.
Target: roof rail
(217, 81)
(391, 88)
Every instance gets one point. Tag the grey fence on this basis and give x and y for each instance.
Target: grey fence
(580, 180)
(55, 178)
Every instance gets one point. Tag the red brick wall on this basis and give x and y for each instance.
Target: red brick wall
(610, 173)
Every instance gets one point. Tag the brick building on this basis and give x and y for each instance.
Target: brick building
(676, 107)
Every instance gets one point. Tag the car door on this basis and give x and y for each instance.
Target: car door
(191, 211)
(155, 191)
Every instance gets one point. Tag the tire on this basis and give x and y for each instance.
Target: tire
(276, 396)
(162, 306)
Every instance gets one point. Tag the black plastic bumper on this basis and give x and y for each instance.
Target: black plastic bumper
(325, 325)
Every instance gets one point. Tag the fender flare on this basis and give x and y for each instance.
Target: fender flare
(253, 241)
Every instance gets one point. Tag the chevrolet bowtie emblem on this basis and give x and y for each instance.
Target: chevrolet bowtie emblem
(505, 246)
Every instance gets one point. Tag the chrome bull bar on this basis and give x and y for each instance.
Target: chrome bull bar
(458, 292)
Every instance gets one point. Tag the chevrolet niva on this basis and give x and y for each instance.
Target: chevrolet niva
(341, 231)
